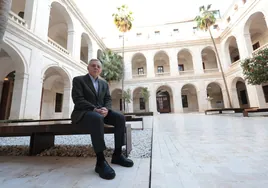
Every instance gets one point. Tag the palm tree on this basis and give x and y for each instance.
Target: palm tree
(145, 94)
(5, 6)
(112, 66)
(123, 21)
(127, 97)
(204, 21)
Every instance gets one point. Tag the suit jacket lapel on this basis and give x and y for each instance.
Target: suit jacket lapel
(90, 84)
(99, 88)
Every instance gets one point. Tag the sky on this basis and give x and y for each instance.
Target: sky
(145, 12)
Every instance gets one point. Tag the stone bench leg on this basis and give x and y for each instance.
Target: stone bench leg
(40, 142)
(128, 139)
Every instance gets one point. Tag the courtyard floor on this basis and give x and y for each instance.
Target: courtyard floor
(189, 151)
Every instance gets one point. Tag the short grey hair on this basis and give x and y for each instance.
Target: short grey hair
(95, 60)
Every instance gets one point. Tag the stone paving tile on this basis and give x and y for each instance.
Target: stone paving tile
(194, 150)
(68, 172)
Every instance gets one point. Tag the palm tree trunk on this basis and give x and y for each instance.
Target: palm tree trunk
(5, 6)
(222, 73)
(123, 75)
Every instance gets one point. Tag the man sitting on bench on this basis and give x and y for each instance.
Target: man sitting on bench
(92, 109)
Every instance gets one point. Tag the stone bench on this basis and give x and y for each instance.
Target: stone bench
(42, 132)
(220, 110)
(254, 110)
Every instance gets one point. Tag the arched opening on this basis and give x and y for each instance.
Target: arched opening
(6, 95)
(139, 68)
(139, 103)
(164, 99)
(185, 62)
(18, 7)
(189, 98)
(11, 85)
(257, 28)
(117, 100)
(60, 24)
(232, 49)
(161, 64)
(214, 96)
(56, 94)
(242, 93)
(86, 48)
(209, 61)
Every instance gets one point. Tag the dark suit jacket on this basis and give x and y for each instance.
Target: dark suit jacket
(85, 97)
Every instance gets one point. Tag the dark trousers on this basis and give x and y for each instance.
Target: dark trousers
(95, 123)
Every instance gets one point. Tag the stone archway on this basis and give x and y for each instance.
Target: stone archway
(214, 93)
(164, 99)
(60, 26)
(12, 83)
(189, 98)
(56, 94)
(116, 96)
(139, 104)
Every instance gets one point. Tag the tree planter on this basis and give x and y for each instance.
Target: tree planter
(5, 6)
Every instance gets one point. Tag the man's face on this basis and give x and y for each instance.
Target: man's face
(94, 69)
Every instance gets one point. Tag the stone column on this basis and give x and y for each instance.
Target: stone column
(150, 65)
(244, 45)
(128, 66)
(67, 102)
(173, 62)
(19, 95)
(30, 13)
(74, 44)
(201, 97)
(40, 17)
(234, 98)
(177, 99)
(197, 61)
(255, 96)
(152, 99)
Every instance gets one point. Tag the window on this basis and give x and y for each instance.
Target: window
(243, 95)
(142, 104)
(58, 103)
(120, 36)
(184, 101)
(160, 69)
(138, 34)
(140, 71)
(175, 30)
(228, 19)
(180, 67)
(265, 92)
(236, 58)
(215, 26)
(120, 101)
(194, 29)
(157, 32)
(256, 46)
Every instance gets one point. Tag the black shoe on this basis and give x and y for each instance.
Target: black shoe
(122, 160)
(105, 171)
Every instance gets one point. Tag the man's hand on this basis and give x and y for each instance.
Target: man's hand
(103, 111)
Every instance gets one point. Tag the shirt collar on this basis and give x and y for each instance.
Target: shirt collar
(91, 77)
